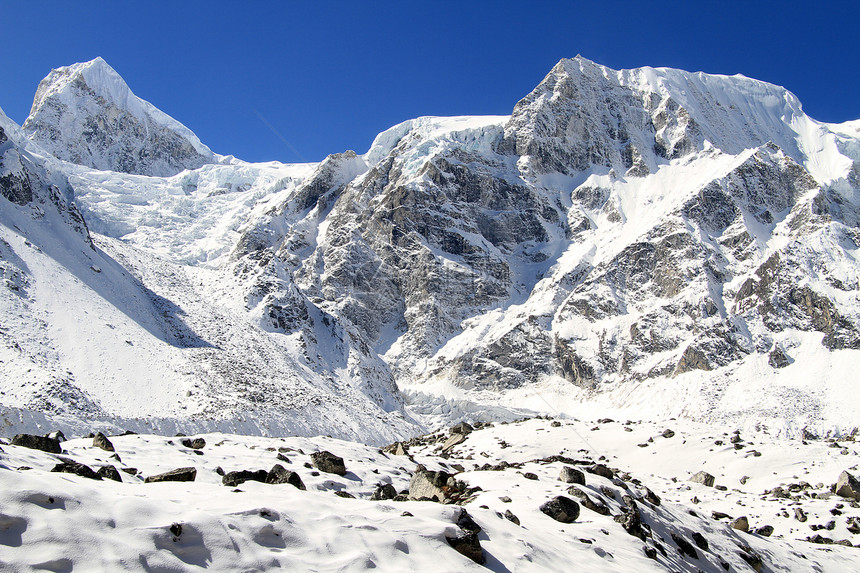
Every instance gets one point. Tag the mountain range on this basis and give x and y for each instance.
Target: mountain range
(648, 240)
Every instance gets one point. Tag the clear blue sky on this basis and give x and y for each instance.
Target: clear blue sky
(328, 76)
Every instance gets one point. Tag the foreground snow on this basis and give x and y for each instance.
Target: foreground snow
(62, 522)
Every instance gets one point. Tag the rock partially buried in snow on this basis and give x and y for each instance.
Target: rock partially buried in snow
(601, 470)
(468, 545)
(279, 474)
(397, 449)
(452, 441)
(101, 441)
(462, 428)
(384, 491)
(109, 472)
(703, 478)
(561, 509)
(741, 524)
(179, 474)
(43, 443)
(571, 475)
(848, 486)
(72, 467)
(239, 477)
(428, 485)
(194, 444)
(326, 461)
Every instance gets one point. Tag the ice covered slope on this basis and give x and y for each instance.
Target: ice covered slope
(86, 114)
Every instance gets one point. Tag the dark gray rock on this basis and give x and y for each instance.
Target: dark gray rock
(462, 428)
(344, 494)
(37, 443)
(279, 474)
(109, 472)
(235, 478)
(587, 502)
(571, 475)
(101, 441)
(326, 461)
(561, 509)
(179, 474)
(684, 546)
(465, 522)
(72, 467)
(631, 519)
(600, 470)
(764, 530)
(799, 514)
(511, 517)
(700, 541)
(194, 444)
(384, 491)
(469, 545)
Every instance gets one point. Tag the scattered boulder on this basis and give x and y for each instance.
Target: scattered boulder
(453, 440)
(752, 558)
(703, 478)
(195, 444)
(700, 541)
(235, 478)
(43, 443)
(668, 433)
(561, 508)
(531, 476)
(586, 501)
(601, 470)
(571, 475)
(56, 435)
(72, 467)
(741, 524)
(684, 546)
(631, 520)
(846, 486)
(461, 428)
(344, 494)
(326, 461)
(101, 441)
(179, 474)
(511, 517)
(279, 474)
(764, 530)
(465, 522)
(384, 491)
(397, 449)
(429, 485)
(853, 525)
(799, 514)
(468, 544)
(109, 472)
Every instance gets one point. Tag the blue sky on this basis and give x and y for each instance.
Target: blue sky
(295, 81)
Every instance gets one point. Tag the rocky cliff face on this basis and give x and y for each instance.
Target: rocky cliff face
(86, 114)
(683, 244)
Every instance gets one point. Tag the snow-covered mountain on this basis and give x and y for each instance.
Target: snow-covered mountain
(654, 240)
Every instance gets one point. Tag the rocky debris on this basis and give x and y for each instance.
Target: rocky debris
(631, 519)
(461, 428)
(561, 508)
(601, 470)
(31, 441)
(684, 546)
(344, 494)
(56, 434)
(652, 498)
(764, 530)
(668, 433)
(396, 449)
(384, 491)
(700, 541)
(109, 472)
(194, 444)
(453, 440)
(279, 474)
(179, 474)
(238, 477)
(587, 502)
(467, 544)
(752, 558)
(799, 514)
(465, 522)
(101, 441)
(571, 475)
(175, 530)
(741, 524)
(326, 461)
(511, 517)
(530, 476)
(72, 467)
(439, 486)
(720, 515)
(703, 478)
(848, 486)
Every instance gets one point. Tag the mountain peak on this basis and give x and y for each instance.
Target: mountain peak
(86, 114)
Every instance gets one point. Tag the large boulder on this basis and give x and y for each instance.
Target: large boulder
(561, 509)
(571, 475)
(235, 478)
(467, 544)
(703, 478)
(72, 467)
(326, 461)
(43, 443)
(848, 486)
(429, 485)
(101, 441)
(279, 474)
(179, 474)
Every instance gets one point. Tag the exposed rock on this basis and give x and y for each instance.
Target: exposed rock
(326, 461)
(397, 449)
(452, 441)
(631, 520)
(511, 517)
(571, 475)
(462, 428)
(344, 494)
(700, 541)
(799, 514)
(194, 444)
(179, 474)
(668, 433)
(384, 491)
(429, 485)
(465, 522)
(101, 441)
(530, 475)
(468, 544)
(588, 502)
(72, 467)
(279, 474)
(703, 478)
(561, 509)
(752, 558)
(238, 477)
(37, 443)
(741, 524)
(778, 359)
(684, 546)
(848, 486)
(764, 530)
(109, 472)
(601, 470)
